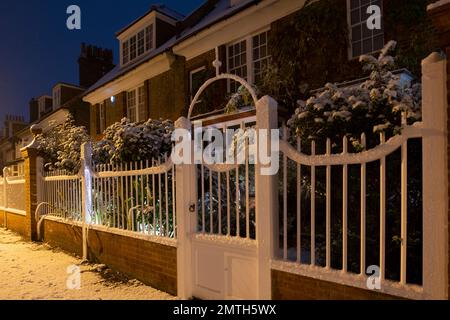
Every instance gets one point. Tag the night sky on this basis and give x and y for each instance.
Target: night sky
(37, 50)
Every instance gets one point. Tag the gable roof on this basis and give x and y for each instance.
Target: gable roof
(219, 11)
(161, 8)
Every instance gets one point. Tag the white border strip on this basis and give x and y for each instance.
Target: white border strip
(14, 211)
(347, 279)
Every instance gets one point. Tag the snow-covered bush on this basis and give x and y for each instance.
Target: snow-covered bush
(372, 107)
(60, 147)
(242, 98)
(126, 141)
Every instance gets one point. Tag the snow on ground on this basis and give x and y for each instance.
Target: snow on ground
(33, 271)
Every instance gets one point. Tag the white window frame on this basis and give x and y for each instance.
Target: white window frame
(191, 73)
(126, 59)
(102, 119)
(250, 61)
(138, 103)
(350, 32)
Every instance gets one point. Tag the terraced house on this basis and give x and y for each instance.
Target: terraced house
(165, 56)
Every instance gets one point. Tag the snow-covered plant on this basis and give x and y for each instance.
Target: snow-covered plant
(374, 106)
(60, 147)
(125, 141)
(242, 98)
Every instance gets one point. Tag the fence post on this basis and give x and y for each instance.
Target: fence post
(5, 198)
(266, 200)
(186, 178)
(86, 192)
(30, 156)
(435, 179)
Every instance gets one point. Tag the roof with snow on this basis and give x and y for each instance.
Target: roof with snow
(161, 8)
(220, 10)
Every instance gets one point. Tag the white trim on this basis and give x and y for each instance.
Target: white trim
(14, 211)
(348, 279)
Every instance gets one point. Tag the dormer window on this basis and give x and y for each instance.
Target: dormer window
(137, 45)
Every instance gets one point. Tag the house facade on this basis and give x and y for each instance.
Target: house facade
(165, 57)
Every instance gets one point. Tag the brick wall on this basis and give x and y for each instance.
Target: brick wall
(288, 286)
(153, 264)
(167, 92)
(15, 222)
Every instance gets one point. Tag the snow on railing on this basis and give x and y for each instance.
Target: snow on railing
(325, 191)
(61, 192)
(137, 197)
(226, 204)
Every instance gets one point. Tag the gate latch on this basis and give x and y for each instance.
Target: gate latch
(192, 208)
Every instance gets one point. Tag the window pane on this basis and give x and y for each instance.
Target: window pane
(366, 41)
(260, 56)
(133, 48)
(149, 38)
(125, 52)
(354, 4)
(197, 80)
(367, 33)
(367, 46)
(355, 16)
(356, 33)
(378, 43)
(141, 42)
(356, 49)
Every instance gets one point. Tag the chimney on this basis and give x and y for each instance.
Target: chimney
(94, 62)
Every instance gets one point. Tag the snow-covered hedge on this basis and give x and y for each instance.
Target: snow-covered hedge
(372, 107)
(126, 141)
(60, 147)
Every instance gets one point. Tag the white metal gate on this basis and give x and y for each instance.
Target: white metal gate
(224, 246)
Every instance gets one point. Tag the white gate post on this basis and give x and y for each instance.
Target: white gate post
(86, 192)
(266, 200)
(186, 178)
(435, 178)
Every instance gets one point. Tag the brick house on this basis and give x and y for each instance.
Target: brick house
(165, 56)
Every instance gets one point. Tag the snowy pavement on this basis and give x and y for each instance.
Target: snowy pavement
(37, 272)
